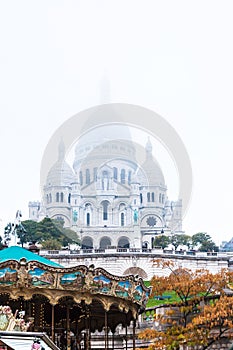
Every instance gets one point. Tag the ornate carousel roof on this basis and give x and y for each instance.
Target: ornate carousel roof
(89, 292)
(17, 253)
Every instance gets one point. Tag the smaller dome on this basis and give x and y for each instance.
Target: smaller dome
(61, 174)
(152, 168)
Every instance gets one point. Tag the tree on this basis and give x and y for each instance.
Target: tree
(161, 241)
(200, 315)
(204, 242)
(51, 244)
(180, 239)
(49, 229)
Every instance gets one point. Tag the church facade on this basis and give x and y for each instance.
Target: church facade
(108, 197)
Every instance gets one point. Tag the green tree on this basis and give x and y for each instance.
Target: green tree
(48, 229)
(181, 239)
(204, 242)
(161, 241)
(51, 244)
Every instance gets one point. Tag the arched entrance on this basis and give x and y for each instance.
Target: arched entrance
(136, 271)
(87, 243)
(123, 242)
(105, 242)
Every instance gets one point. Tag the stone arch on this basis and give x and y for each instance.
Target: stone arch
(136, 271)
(61, 216)
(123, 242)
(122, 206)
(88, 205)
(105, 242)
(87, 243)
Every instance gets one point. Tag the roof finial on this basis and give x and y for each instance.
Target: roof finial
(61, 150)
(149, 147)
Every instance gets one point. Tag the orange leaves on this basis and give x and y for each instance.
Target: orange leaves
(202, 313)
(148, 334)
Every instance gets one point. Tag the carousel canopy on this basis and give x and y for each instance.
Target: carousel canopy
(80, 298)
(17, 253)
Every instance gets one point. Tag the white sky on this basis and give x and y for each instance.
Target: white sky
(174, 57)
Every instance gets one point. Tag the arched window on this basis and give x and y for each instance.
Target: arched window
(141, 198)
(129, 177)
(47, 197)
(61, 197)
(148, 196)
(88, 179)
(160, 198)
(69, 198)
(123, 176)
(105, 210)
(122, 219)
(123, 242)
(152, 197)
(57, 197)
(115, 173)
(88, 219)
(50, 198)
(87, 243)
(105, 242)
(163, 198)
(95, 174)
(81, 178)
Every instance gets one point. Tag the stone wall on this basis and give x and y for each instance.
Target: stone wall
(121, 261)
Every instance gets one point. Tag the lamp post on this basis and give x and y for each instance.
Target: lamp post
(14, 231)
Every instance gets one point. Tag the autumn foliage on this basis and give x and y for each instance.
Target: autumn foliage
(201, 314)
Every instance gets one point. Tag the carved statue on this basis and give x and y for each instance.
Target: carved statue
(135, 216)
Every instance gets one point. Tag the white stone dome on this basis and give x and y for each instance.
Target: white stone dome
(91, 156)
(152, 168)
(61, 174)
(104, 141)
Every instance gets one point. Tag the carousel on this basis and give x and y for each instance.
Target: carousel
(69, 305)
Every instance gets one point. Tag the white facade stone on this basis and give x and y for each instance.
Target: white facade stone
(108, 198)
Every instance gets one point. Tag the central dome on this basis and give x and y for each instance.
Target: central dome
(104, 142)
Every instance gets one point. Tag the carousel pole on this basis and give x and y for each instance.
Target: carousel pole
(126, 335)
(113, 334)
(87, 340)
(134, 335)
(68, 340)
(52, 325)
(106, 330)
(89, 331)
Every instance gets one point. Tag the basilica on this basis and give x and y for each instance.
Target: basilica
(108, 196)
